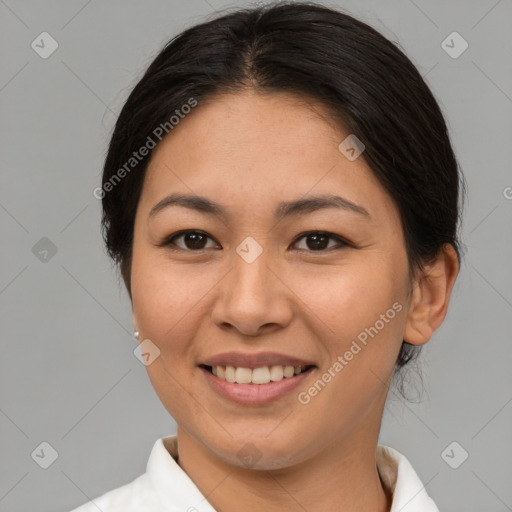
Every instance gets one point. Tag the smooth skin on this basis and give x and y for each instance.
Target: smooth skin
(249, 151)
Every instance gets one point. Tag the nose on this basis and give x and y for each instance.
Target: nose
(252, 298)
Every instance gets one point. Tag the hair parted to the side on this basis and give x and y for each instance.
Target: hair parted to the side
(320, 54)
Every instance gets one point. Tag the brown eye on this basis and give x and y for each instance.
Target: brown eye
(319, 240)
(192, 240)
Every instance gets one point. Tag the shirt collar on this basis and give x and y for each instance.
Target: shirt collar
(177, 491)
(397, 474)
(174, 488)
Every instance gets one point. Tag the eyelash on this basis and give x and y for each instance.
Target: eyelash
(168, 241)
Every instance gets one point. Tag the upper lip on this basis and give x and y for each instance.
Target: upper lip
(245, 360)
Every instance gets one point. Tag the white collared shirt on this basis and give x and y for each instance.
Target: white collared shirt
(165, 487)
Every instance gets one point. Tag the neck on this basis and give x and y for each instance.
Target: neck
(342, 477)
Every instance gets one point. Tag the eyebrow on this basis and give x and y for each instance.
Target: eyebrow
(284, 209)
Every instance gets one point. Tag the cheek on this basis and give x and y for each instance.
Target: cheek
(168, 301)
(350, 298)
(155, 297)
(364, 308)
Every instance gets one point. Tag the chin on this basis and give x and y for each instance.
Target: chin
(259, 450)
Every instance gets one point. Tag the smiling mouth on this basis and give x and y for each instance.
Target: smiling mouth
(260, 375)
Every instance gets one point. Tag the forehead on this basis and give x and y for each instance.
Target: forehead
(253, 125)
(251, 148)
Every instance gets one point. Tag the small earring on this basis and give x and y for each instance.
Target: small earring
(136, 334)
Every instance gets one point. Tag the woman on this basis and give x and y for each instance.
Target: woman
(282, 198)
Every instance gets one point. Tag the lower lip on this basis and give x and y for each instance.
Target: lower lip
(254, 394)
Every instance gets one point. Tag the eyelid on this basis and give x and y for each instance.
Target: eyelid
(342, 242)
(167, 241)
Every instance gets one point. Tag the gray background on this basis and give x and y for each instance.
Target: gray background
(68, 373)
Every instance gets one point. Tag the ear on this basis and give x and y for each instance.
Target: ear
(430, 296)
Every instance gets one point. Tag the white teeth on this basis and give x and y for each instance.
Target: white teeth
(243, 375)
(288, 371)
(261, 375)
(230, 374)
(276, 373)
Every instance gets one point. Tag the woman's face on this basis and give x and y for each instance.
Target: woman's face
(252, 282)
